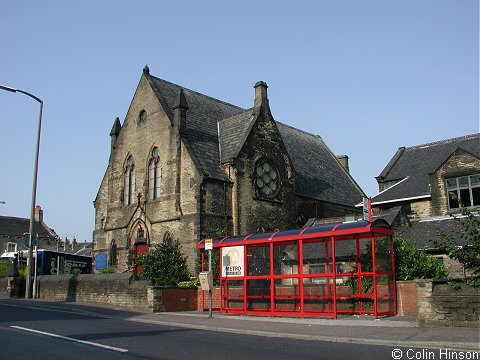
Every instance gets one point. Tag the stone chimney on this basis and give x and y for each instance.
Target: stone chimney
(38, 214)
(260, 93)
(344, 161)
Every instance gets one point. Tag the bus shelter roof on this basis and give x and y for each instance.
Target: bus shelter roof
(346, 230)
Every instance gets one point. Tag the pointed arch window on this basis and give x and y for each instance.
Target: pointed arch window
(113, 254)
(129, 181)
(154, 175)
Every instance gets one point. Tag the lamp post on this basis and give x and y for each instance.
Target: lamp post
(28, 288)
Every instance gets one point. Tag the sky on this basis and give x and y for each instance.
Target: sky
(367, 76)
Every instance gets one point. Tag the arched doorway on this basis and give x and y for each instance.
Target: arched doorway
(140, 246)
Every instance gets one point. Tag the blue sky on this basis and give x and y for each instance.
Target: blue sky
(367, 76)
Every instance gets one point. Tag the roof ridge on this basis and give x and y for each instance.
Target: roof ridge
(464, 137)
(14, 217)
(198, 93)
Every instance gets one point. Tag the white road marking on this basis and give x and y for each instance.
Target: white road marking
(70, 339)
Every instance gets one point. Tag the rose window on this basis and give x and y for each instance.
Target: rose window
(266, 179)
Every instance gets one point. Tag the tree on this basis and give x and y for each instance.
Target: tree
(164, 266)
(463, 244)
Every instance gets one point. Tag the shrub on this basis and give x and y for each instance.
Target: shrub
(4, 265)
(410, 263)
(164, 266)
(193, 282)
(75, 271)
(108, 270)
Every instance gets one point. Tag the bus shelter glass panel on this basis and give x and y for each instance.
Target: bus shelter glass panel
(258, 294)
(318, 275)
(258, 260)
(285, 258)
(258, 278)
(286, 295)
(233, 294)
(383, 254)
(317, 257)
(385, 294)
(317, 295)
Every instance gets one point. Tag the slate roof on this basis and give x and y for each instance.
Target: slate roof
(413, 165)
(424, 232)
(11, 227)
(233, 133)
(319, 173)
(216, 132)
(202, 117)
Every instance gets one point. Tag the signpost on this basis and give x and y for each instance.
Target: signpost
(209, 247)
(367, 209)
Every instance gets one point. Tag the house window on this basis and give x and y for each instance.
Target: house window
(129, 181)
(267, 179)
(463, 191)
(11, 247)
(154, 175)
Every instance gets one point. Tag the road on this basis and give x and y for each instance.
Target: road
(31, 331)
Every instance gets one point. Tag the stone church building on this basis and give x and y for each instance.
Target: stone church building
(188, 166)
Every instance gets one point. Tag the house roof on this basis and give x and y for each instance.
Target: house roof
(216, 132)
(424, 232)
(411, 167)
(13, 227)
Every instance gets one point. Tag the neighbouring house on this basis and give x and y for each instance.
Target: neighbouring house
(188, 166)
(424, 186)
(14, 236)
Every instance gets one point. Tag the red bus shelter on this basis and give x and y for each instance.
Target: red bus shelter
(318, 271)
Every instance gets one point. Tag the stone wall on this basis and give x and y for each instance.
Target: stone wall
(441, 303)
(116, 290)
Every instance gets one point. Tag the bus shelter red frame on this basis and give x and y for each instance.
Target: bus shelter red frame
(266, 288)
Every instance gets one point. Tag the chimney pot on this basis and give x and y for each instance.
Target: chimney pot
(38, 214)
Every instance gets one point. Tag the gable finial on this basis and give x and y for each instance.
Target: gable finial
(116, 127)
(146, 70)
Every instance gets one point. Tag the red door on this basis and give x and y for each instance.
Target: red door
(140, 249)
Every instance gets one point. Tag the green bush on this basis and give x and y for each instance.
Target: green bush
(4, 265)
(108, 270)
(75, 271)
(22, 270)
(410, 263)
(164, 266)
(192, 282)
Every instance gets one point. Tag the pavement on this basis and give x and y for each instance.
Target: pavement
(386, 331)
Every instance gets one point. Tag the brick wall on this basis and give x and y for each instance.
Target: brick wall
(116, 290)
(203, 295)
(407, 298)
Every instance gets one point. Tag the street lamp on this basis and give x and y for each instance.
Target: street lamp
(28, 288)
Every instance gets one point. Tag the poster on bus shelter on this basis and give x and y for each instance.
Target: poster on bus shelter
(235, 261)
